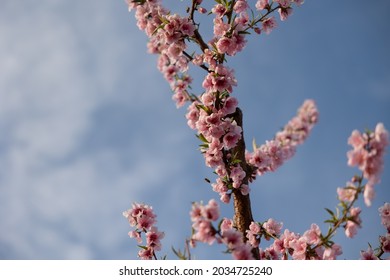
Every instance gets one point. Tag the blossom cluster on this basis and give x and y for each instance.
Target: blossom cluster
(213, 113)
(272, 154)
(143, 219)
(368, 152)
(307, 246)
(202, 217)
(384, 247)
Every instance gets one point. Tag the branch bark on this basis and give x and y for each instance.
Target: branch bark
(242, 204)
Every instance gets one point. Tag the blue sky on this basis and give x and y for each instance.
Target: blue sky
(87, 125)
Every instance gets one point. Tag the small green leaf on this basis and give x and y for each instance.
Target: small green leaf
(330, 212)
(202, 138)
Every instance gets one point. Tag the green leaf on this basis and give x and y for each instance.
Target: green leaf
(202, 138)
(330, 212)
(179, 254)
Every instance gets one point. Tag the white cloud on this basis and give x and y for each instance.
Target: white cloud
(59, 199)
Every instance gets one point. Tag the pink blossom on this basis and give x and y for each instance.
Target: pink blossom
(262, 4)
(237, 174)
(351, 229)
(240, 6)
(368, 152)
(385, 215)
(140, 216)
(284, 13)
(283, 3)
(219, 10)
(269, 254)
(245, 189)
(231, 138)
(347, 194)
(153, 239)
(226, 225)
(332, 252)
(269, 24)
(272, 154)
(299, 247)
(232, 238)
(385, 243)
(204, 232)
(243, 252)
(369, 193)
(272, 227)
(252, 234)
(368, 254)
(211, 210)
(313, 235)
(285, 242)
(192, 115)
(226, 45)
(201, 216)
(230, 106)
(202, 10)
(220, 27)
(145, 254)
(354, 223)
(135, 234)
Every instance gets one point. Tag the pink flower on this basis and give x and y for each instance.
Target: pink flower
(284, 13)
(272, 227)
(230, 106)
(153, 239)
(283, 3)
(368, 255)
(237, 174)
(385, 243)
(299, 247)
(135, 234)
(272, 154)
(347, 194)
(269, 254)
(226, 225)
(385, 215)
(262, 4)
(142, 217)
(313, 235)
(245, 189)
(219, 10)
(146, 254)
(369, 194)
(211, 210)
(201, 216)
(226, 45)
(368, 152)
(269, 24)
(240, 6)
(354, 223)
(232, 238)
(231, 138)
(332, 252)
(351, 229)
(243, 252)
(253, 234)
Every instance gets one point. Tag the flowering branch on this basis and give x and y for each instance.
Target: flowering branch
(218, 120)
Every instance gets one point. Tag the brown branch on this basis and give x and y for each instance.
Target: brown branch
(242, 204)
